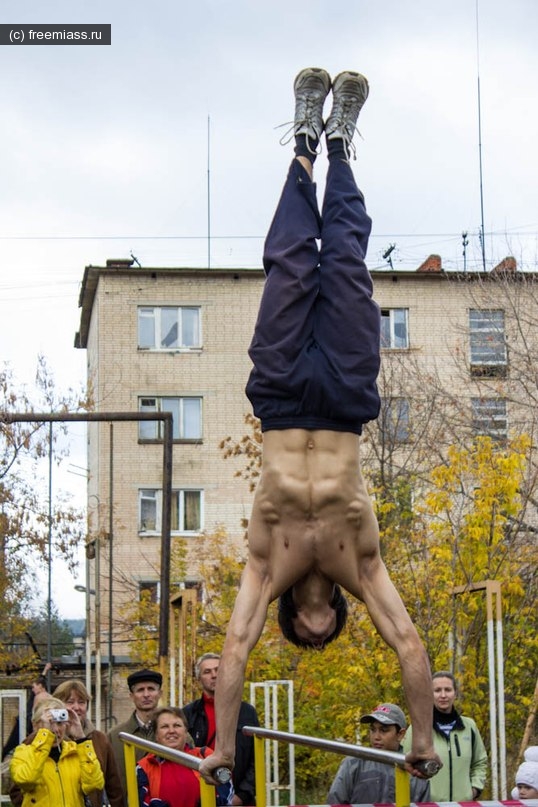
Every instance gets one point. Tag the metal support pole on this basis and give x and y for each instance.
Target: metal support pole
(49, 583)
(125, 417)
(492, 696)
(271, 692)
(110, 577)
(129, 754)
(492, 589)
(164, 627)
(97, 716)
(260, 781)
(88, 644)
(500, 681)
(402, 787)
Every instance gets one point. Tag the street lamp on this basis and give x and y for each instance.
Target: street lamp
(88, 651)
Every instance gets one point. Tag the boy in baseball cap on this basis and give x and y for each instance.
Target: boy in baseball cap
(365, 781)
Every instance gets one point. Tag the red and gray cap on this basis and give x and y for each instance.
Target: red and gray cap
(387, 713)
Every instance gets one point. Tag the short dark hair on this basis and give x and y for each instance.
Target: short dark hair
(287, 612)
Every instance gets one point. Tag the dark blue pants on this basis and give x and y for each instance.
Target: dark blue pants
(315, 347)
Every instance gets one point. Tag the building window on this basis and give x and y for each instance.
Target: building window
(187, 511)
(169, 327)
(394, 419)
(489, 417)
(148, 597)
(487, 343)
(186, 418)
(149, 590)
(394, 329)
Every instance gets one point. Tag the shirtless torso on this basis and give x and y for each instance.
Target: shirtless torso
(311, 513)
(312, 526)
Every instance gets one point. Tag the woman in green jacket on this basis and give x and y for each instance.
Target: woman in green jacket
(53, 771)
(458, 743)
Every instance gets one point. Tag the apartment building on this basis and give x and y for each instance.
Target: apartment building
(176, 339)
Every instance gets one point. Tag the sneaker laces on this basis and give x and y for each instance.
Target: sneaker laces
(290, 133)
(307, 118)
(343, 110)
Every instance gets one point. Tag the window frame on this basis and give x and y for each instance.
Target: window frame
(178, 502)
(178, 423)
(396, 424)
(480, 363)
(156, 317)
(154, 587)
(489, 417)
(390, 315)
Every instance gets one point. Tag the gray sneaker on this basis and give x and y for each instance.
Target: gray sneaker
(350, 91)
(311, 87)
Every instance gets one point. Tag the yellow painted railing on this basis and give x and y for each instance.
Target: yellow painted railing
(207, 792)
(402, 781)
(131, 741)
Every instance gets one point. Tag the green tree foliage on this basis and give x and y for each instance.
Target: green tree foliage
(61, 634)
(24, 517)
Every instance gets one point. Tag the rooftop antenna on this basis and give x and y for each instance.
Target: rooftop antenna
(387, 255)
(482, 239)
(208, 194)
(465, 242)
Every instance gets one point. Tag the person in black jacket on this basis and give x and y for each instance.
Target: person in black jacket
(200, 715)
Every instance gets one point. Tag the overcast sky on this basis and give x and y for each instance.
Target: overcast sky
(107, 150)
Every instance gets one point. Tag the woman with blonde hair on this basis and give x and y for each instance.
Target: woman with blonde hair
(59, 766)
(76, 697)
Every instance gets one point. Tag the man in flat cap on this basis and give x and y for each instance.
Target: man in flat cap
(145, 692)
(366, 781)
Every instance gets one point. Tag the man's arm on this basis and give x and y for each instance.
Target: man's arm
(244, 630)
(393, 623)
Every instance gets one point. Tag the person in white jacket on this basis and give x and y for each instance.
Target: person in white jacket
(527, 775)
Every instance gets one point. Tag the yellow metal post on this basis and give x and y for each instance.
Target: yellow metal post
(208, 794)
(402, 784)
(260, 783)
(130, 772)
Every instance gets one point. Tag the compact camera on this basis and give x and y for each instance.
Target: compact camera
(59, 715)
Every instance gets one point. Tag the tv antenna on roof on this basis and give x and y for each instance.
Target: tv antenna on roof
(387, 255)
(482, 239)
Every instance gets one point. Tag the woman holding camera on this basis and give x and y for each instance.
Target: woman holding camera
(75, 696)
(59, 767)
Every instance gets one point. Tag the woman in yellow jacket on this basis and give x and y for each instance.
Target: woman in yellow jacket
(54, 771)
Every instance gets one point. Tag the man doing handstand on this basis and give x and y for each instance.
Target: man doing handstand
(316, 358)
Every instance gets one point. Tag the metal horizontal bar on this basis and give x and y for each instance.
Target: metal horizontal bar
(167, 753)
(48, 417)
(348, 750)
